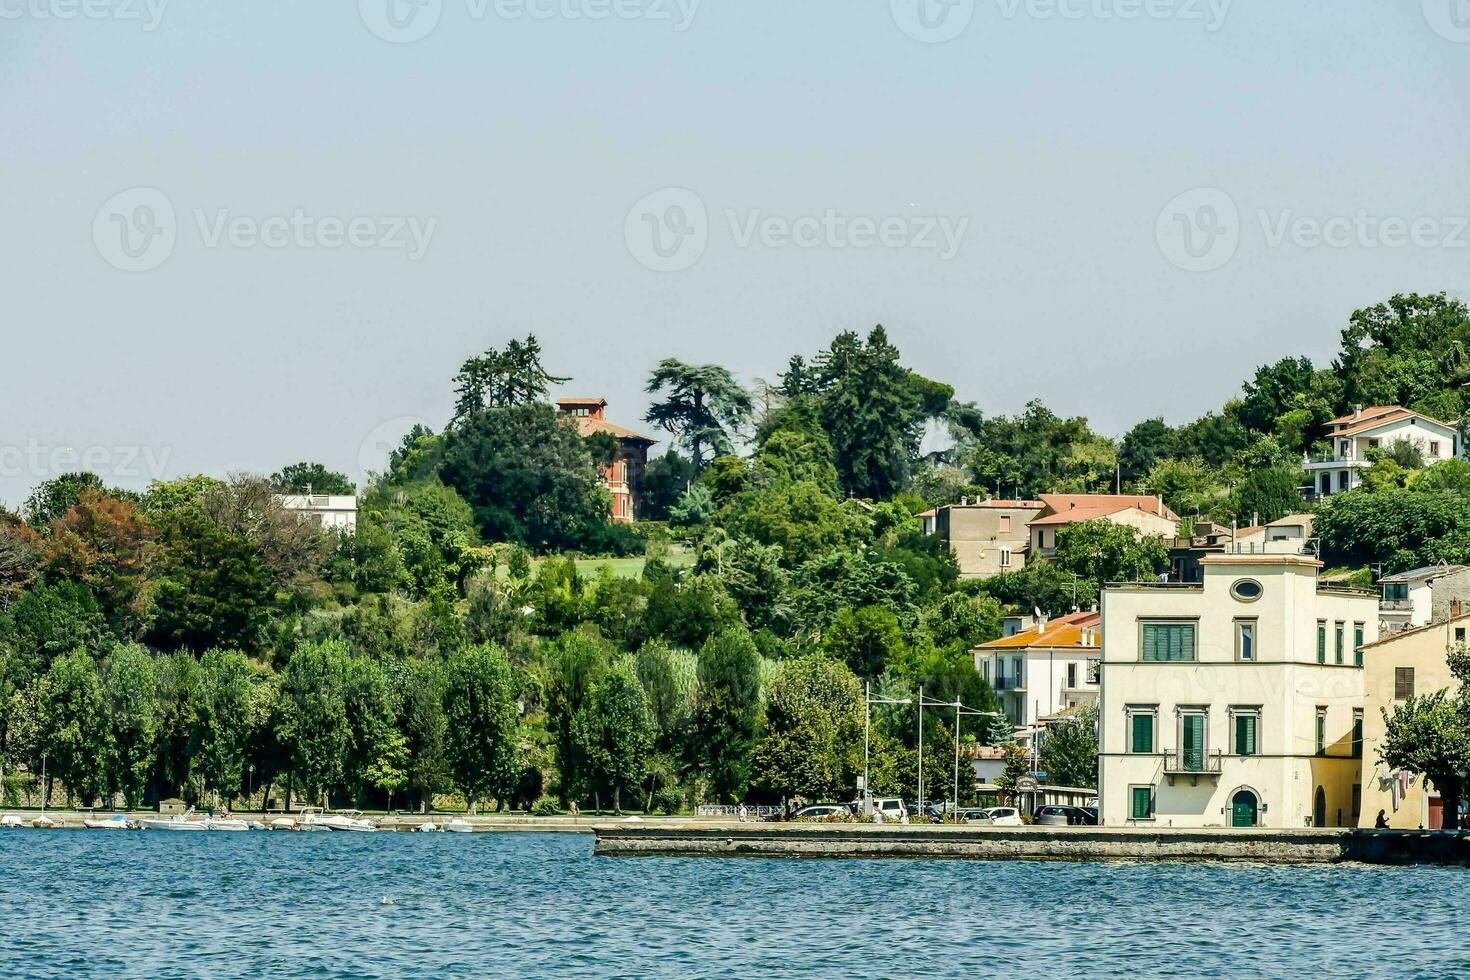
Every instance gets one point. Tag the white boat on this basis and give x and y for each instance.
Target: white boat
(226, 823)
(282, 823)
(11, 822)
(44, 822)
(459, 826)
(428, 827)
(352, 822)
(179, 821)
(118, 821)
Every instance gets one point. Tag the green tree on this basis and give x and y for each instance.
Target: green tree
(614, 734)
(213, 589)
(664, 481)
(505, 378)
(224, 717)
(963, 619)
(483, 723)
(812, 745)
(425, 728)
(56, 496)
(865, 639)
(74, 726)
(375, 749)
(701, 405)
(312, 478)
(1069, 750)
(130, 692)
(178, 705)
(800, 518)
(727, 713)
(1144, 446)
(577, 661)
(1267, 495)
(528, 476)
(1100, 551)
(312, 722)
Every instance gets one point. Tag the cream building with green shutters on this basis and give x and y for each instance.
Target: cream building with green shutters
(1235, 702)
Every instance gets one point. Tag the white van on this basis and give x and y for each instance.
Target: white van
(892, 811)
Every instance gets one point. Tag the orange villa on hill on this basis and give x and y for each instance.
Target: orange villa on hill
(624, 477)
(1147, 514)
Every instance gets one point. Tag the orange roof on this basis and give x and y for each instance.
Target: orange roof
(1004, 504)
(1072, 508)
(586, 425)
(1365, 414)
(1368, 424)
(1064, 631)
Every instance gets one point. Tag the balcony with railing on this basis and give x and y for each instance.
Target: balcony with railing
(1189, 764)
(1012, 683)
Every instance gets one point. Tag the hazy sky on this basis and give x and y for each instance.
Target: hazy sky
(241, 234)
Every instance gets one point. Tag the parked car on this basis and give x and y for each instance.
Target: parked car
(924, 811)
(823, 811)
(997, 816)
(1074, 816)
(970, 815)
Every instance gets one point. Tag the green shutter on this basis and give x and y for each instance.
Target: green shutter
(1168, 642)
(1142, 803)
(1321, 643)
(1340, 632)
(1194, 742)
(1245, 735)
(1143, 734)
(1358, 646)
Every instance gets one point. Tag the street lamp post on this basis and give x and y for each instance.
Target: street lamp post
(868, 702)
(959, 709)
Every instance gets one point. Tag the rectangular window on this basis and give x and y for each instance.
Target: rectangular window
(1168, 642)
(1192, 741)
(1141, 732)
(1459, 634)
(1005, 558)
(1403, 683)
(1342, 480)
(1340, 637)
(1094, 671)
(1357, 802)
(1321, 731)
(1143, 803)
(1358, 733)
(1071, 677)
(1433, 449)
(1246, 725)
(1245, 639)
(1005, 524)
(1321, 642)
(1358, 644)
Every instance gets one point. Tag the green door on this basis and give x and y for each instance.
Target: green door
(1243, 809)
(1194, 743)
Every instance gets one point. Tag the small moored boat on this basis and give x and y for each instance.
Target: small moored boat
(118, 821)
(459, 825)
(11, 822)
(179, 821)
(226, 823)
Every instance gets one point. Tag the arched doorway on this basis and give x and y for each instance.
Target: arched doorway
(1319, 809)
(1244, 808)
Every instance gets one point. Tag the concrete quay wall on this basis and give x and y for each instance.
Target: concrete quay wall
(1032, 844)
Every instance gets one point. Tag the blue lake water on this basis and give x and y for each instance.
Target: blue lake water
(149, 904)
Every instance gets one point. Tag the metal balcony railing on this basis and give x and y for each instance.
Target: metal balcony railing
(1186, 763)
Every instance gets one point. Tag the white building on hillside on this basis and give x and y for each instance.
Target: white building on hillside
(1236, 702)
(329, 511)
(1043, 670)
(1379, 427)
(1422, 596)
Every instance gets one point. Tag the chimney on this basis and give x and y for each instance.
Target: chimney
(1357, 412)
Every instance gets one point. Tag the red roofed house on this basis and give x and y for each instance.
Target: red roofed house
(1147, 514)
(1378, 427)
(624, 477)
(987, 536)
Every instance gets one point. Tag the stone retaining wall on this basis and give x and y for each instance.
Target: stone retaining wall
(1033, 844)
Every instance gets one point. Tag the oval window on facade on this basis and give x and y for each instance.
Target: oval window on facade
(1246, 590)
